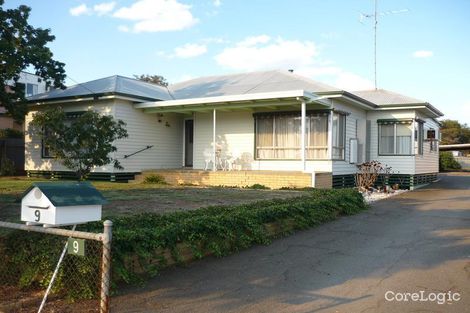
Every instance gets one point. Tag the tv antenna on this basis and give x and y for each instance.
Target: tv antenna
(375, 16)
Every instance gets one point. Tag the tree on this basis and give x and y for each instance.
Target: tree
(22, 46)
(447, 162)
(79, 143)
(454, 133)
(154, 79)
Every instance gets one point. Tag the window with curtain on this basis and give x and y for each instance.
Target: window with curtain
(395, 138)
(317, 136)
(278, 136)
(339, 134)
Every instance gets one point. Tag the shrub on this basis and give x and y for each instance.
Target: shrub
(448, 162)
(257, 186)
(143, 239)
(367, 175)
(7, 167)
(11, 133)
(155, 179)
(297, 188)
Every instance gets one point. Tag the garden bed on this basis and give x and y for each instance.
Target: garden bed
(130, 199)
(145, 243)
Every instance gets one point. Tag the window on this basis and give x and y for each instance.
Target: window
(20, 87)
(31, 89)
(278, 136)
(46, 152)
(339, 134)
(432, 138)
(403, 138)
(395, 138)
(419, 137)
(317, 136)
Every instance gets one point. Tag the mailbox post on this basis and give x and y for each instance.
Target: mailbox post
(61, 203)
(53, 204)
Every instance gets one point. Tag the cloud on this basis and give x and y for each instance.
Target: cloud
(218, 40)
(253, 41)
(350, 81)
(217, 3)
(99, 9)
(104, 8)
(423, 54)
(124, 28)
(190, 50)
(157, 15)
(261, 52)
(80, 10)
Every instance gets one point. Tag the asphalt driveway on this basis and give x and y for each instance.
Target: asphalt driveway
(415, 242)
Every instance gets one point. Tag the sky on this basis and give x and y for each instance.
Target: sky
(423, 46)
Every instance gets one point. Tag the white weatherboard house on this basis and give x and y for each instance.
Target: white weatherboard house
(274, 128)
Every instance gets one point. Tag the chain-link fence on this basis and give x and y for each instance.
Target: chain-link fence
(29, 261)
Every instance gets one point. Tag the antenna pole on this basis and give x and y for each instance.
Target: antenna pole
(375, 45)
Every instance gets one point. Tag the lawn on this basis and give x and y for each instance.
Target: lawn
(125, 199)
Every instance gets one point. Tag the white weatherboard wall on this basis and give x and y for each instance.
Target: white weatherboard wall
(355, 128)
(33, 146)
(400, 163)
(144, 129)
(235, 133)
(429, 161)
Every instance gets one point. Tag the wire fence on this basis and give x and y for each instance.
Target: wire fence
(29, 260)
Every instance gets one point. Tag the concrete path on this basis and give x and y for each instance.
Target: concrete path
(417, 241)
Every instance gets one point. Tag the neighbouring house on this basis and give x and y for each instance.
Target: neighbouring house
(274, 128)
(13, 148)
(32, 85)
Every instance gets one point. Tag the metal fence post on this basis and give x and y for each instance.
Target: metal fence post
(106, 266)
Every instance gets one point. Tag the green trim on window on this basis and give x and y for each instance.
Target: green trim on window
(394, 121)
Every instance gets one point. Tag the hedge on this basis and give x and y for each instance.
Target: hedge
(145, 243)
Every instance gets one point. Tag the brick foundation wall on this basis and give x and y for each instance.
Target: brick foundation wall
(323, 180)
(271, 179)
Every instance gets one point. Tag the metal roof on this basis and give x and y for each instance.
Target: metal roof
(262, 82)
(246, 83)
(109, 85)
(386, 97)
(69, 193)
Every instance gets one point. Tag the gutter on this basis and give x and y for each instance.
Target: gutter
(349, 96)
(100, 96)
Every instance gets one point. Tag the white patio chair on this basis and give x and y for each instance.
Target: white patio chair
(208, 158)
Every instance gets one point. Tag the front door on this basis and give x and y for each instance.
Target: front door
(188, 142)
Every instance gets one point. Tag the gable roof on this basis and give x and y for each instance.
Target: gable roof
(116, 85)
(386, 97)
(69, 193)
(246, 83)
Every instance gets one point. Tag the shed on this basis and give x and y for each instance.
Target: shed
(61, 203)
